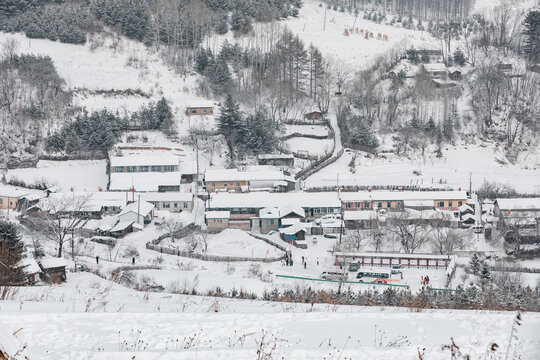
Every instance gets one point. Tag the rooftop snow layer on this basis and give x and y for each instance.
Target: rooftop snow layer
(519, 204)
(143, 208)
(280, 200)
(262, 173)
(403, 195)
(145, 181)
(144, 160)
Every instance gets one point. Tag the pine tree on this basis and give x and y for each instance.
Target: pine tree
(415, 122)
(229, 124)
(257, 134)
(240, 22)
(221, 74)
(201, 60)
(412, 55)
(363, 136)
(431, 127)
(11, 253)
(448, 129)
(164, 116)
(475, 263)
(459, 57)
(531, 30)
(222, 27)
(485, 274)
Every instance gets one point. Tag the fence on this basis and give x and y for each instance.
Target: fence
(318, 165)
(171, 251)
(280, 247)
(311, 136)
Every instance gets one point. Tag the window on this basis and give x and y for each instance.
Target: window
(317, 211)
(175, 205)
(168, 168)
(366, 204)
(224, 185)
(440, 204)
(166, 205)
(379, 205)
(185, 205)
(143, 168)
(388, 204)
(449, 204)
(460, 203)
(194, 111)
(131, 169)
(156, 168)
(348, 205)
(270, 222)
(204, 111)
(213, 184)
(1, 201)
(238, 183)
(118, 169)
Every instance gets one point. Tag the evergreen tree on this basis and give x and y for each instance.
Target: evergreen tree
(258, 134)
(201, 60)
(415, 122)
(448, 129)
(412, 55)
(222, 26)
(431, 127)
(240, 22)
(229, 124)
(11, 253)
(485, 274)
(221, 74)
(475, 263)
(164, 116)
(531, 30)
(363, 136)
(459, 57)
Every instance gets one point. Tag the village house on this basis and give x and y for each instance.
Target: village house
(273, 218)
(245, 208)
(454, 73)
(443, 84)
(31, 269)
(172, 201)
(155, 173)
(249, 179)
(520, 216)
(140, 212)
(367, 219)
(313, 115)
(12, 198)
(217, 220)
(281, 160)
(397, 200)
(54, 269)
(294, 233)
(200, 108)
(435, 70)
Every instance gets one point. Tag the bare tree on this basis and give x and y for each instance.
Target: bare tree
(445, 239)
(10, 46)
(470, 48)
(409, 229)
(172, 228)
(62, 214)
(357, 239)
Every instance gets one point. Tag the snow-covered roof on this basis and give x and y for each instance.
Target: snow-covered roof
(403, 195)
(294, 228)
(138, 226)
(144, 181)
(465, 208)
(435, 67)
(466, 217)
(199, 104)
(12, 191)
(54, 262)
(519, 204)
(167, 196)
(143, 209)
(418, 203)
(269, 213)
(290, 221)
(256, 173)
(104, 224)
(275, 156)
(122, 226)
(144, 160)
(30, 266)
(280, 200)
(359, 215)
(292, 209)
(218, 214)
(453, 69)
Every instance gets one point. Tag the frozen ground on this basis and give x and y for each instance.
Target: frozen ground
(90, 318)
(317, 130)
(452, 170)
(312, 146)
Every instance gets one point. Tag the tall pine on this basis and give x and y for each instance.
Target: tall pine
(531, 30)
(229, 124)
(11, 253)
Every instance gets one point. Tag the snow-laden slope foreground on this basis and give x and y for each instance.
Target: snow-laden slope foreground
(90, 318)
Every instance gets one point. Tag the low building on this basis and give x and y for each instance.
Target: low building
(391, 259)
(170, 201)
(140, 212)
(144, 163)
(10, 196)
(361, 219)
(217, 220)
(313, 115)
(520, 216)
(281, 160)
(200, 108)
(443, 84)
(31, 270)
(395, 200)
(123, 228)
(54, 269)
(294, 232)
(248, 179)
(435, 70)
(244, 206)
(454, 73)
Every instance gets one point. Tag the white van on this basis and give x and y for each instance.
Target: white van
(333, 275)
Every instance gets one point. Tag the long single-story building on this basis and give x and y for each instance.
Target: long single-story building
(170, 201)
(390, 259)
(248, 179)
(397, 200)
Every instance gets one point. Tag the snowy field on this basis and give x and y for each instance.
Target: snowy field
(452, 170)
(90, 318)
(89, 175)
(317, 130)
(312, 146)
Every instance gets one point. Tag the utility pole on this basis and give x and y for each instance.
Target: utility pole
(138, 208)
(470, 183)
(324, 24)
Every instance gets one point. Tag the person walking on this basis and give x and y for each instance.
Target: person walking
(302, 259)
(133, 261)
(305, 265)
(317, 261)
(97, 259)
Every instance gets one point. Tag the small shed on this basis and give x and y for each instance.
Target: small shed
(313, 115)
(443, 84)
(294, 232)
(123, 228)
(31, 270)
(217, 220)
(435, 71)
(276, 159)
(200, 108)
(454, 73)
(54, 269)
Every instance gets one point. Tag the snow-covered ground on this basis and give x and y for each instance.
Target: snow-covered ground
(88, 175)
(452, 170)
(312, 146)
(91, 318)
(317, 130)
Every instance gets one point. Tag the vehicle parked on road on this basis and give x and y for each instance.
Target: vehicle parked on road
(354, 266)
(333, 275)
(379, 276)
(330, 236)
